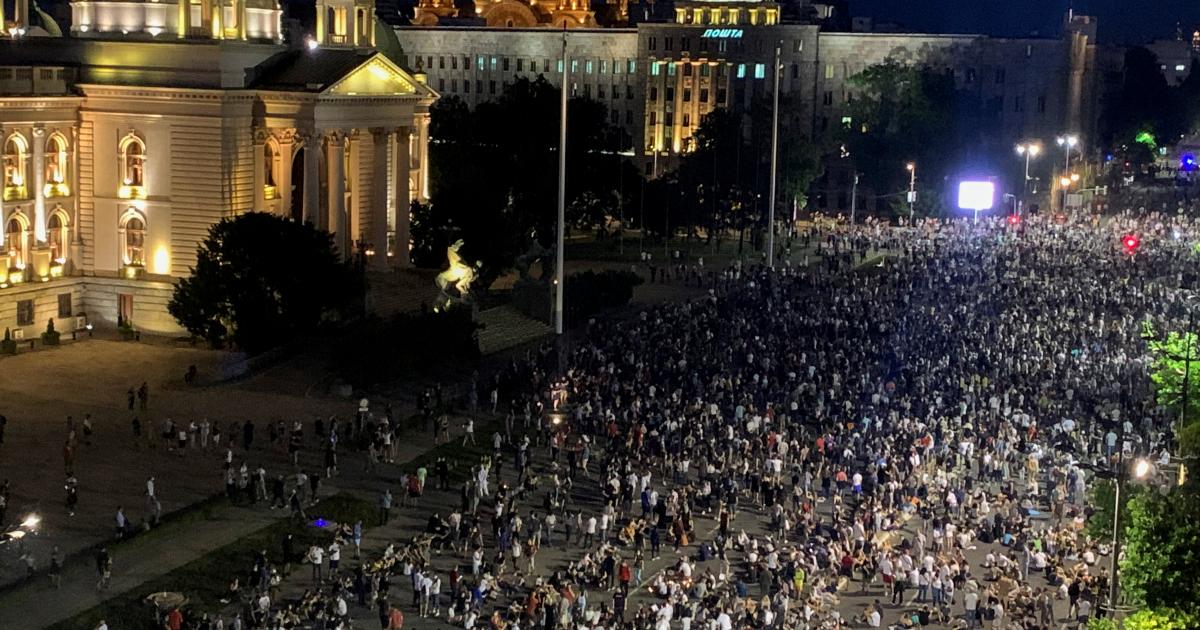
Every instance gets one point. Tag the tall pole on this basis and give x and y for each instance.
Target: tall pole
(1112, 569)
(912, 190)
(774, 160)
(853, 198)
(562, 194)
(1187, 368)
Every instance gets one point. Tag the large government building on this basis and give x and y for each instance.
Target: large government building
(660, 77)
(125, 140)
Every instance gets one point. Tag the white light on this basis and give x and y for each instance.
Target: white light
(1180, 68)
(31, 521)
(154, 31)
(976, 195)
(1141, 469)
(310, 43)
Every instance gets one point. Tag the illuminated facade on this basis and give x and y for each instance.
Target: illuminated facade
(124, 143)
(557, 14)
(660, 79)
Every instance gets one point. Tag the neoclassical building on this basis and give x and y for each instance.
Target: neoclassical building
(124, 142)
(558, 14)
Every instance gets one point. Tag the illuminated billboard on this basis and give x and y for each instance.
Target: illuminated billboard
(976, 195)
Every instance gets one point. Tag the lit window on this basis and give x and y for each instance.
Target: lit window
(654, 68)
(133, 240)
(1180, 68)
(16, 152)
(16, 239)
(132, 166)
(56, 166)
(741, 71)
(57, 235)
(760, 70)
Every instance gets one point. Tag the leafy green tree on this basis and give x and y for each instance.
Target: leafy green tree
(1174, 371)
(1161, 566)
(1099, 523)
(261, 280)
(1161, 619)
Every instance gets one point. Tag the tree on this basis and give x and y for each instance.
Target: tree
(494, 172)
(902, 113)
(261, 280)
(1161, 566)
(1176, 363)
(1161, 619)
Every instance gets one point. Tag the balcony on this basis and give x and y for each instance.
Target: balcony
(56, 190)
(16, 193)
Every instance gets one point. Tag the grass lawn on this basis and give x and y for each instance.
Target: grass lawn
(205, 580)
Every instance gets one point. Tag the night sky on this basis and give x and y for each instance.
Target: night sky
(1121, 21)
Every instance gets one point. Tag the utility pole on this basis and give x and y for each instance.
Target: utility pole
(559, 284)
(853, 198)
(774, 160)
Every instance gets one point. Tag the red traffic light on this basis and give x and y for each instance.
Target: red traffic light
(1130, 242)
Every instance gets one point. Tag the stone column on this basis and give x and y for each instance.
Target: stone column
(260, 166)
(218, 18)
(185, 18)
(402, 175)
(423, 157)
(335, 156)
(241, 18)
(287, 151)
(379, 178)
(312, 179)
(39, 184)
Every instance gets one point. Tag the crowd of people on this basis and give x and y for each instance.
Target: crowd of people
(911, 442)
(920, 435)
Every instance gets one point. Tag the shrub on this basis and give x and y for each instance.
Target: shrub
(589, 293)
(8, 346)
(50, 337)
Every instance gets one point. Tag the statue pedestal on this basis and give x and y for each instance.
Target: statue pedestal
(534, 299)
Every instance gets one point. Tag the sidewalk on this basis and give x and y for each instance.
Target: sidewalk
(39, 605)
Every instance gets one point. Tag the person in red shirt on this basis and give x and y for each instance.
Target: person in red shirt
(175, 619)
(395, 619)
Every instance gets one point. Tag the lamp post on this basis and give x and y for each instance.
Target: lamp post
(911, 167)
(1029, 150)
(562, 195)
(1067, 142)
(1141, 469)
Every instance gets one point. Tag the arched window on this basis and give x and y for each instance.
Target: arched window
(16, 156)
(270, 166)
(133, 239)
(56, 166)
(57, 235)
(16, 240)
(132, 166)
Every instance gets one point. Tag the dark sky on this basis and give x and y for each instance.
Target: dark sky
(1121, 21)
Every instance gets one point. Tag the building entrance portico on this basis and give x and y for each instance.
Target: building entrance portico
(354, 171)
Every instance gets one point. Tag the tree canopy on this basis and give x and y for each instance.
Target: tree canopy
(261, 280)
(913, 113)
(495, 171)
(1161, 567)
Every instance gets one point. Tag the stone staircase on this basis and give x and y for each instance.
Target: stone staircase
(505, 327)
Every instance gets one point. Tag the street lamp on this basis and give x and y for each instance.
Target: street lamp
(912, 188)
(1067, 142)
(1029, 150)
(1141, 469)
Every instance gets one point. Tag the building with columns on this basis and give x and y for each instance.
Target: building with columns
(124, 142)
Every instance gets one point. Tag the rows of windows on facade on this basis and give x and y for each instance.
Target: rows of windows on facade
(52, 177)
